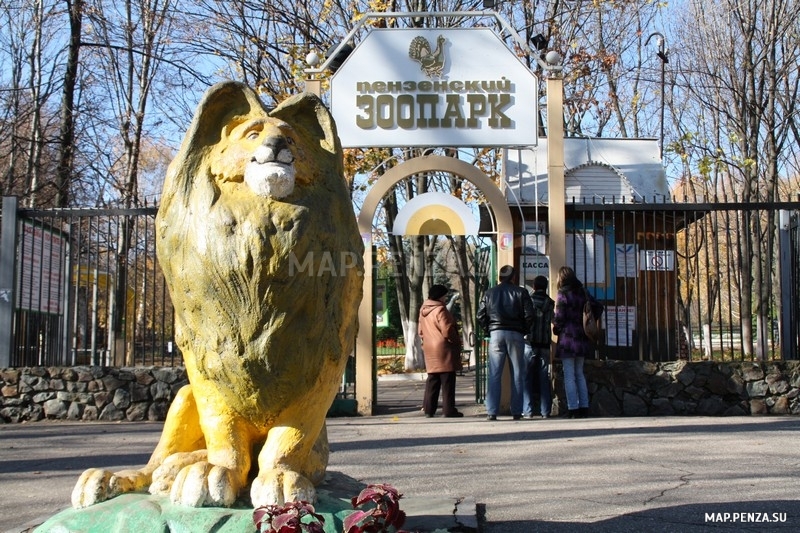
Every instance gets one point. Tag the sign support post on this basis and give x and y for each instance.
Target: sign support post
(555, 175)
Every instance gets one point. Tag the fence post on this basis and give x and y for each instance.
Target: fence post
(788, 348)
(8, 269)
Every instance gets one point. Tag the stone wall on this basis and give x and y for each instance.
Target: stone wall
(616, 388)
(88, 393)
(635, 388)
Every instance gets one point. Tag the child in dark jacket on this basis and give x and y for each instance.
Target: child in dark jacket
(538, 397)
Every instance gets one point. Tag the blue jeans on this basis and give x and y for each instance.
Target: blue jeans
(506, 344)
(537, 397)
(575, 383)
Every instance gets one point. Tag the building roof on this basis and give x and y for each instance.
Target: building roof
(596, 171)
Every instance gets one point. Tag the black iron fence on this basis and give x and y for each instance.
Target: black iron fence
(679, 281)
(716, 281)
(88, 289)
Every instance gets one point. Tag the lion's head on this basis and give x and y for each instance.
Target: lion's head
(261, 152)
(235, 139)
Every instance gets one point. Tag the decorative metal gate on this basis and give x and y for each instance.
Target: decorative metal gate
(485, 277)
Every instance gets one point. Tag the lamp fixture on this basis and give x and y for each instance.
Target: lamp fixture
(662, 54)
(553, 58)
(539, 42)
(340, 57)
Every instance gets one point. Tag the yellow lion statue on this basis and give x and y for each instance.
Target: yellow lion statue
(263, 260)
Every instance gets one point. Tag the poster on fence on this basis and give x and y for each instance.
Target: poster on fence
(625, 260)
(39, 284)
(657, 260)
(588, 253)
(620, 321)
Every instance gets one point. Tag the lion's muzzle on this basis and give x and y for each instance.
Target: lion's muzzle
(270, 172)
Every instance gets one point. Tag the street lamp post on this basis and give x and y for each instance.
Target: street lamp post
(662, 55)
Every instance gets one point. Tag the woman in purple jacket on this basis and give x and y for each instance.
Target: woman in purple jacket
(573, 345)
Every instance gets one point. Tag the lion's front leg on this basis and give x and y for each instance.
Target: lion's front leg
(217, 476)
(292, 461)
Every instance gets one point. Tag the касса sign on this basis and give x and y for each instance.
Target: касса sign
(434, 87)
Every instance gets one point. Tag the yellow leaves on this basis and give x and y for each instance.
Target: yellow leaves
(382, 255)
(379, 6)
(636, 100)
(370, 161)
(706, 166)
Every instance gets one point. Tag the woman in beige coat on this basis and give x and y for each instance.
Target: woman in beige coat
(441, 344)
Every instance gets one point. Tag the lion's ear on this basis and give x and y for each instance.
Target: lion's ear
(306, 113)
(221, 104)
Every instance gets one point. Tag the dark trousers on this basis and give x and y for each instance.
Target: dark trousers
(446, 382)
(537, 382)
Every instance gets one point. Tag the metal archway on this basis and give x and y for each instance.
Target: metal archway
(365, 389)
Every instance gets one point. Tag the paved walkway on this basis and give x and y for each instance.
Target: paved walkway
(599, 474)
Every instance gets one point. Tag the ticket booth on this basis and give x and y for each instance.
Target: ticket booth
(620, 236)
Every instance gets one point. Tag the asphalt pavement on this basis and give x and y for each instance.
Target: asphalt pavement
(660, 474)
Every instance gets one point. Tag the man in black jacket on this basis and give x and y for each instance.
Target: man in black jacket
(506, 312)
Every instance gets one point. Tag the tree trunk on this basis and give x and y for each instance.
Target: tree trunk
(465, 290)
(415, 359)
(708, 342)
(67, 134)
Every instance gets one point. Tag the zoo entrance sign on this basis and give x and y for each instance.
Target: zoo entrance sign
(434, 87)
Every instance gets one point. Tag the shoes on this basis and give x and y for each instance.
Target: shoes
(428, 416)
(527, 417)
(491, 418)
(457, 414)
(546, 416)
(572, 413)
(583, 412)
(517, 417)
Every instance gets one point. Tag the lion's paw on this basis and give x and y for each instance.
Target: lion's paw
(280, 486)
(204, 484)
(164, 476)
(97, 485)
(94, 486)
